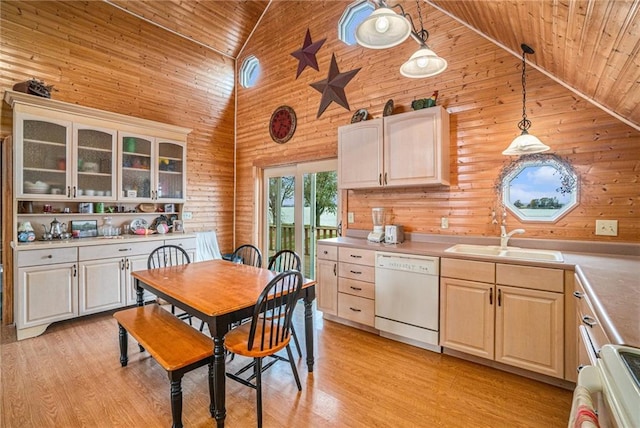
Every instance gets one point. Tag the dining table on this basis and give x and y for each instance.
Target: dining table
(219, 292)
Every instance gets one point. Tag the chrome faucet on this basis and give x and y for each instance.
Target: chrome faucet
(504, 236)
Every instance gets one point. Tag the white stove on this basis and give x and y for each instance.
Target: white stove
(614, 381)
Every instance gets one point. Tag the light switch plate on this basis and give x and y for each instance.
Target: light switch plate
(444, 223)
(607, 227)
(187, 215)
(351, 218)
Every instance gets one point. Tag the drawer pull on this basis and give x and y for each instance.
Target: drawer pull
(124, 249)
(355, 288)
(355, 272)
(325, 252)
(50, 256)
(355, 309)
(355, 256)
(590, 321)
(578, 295)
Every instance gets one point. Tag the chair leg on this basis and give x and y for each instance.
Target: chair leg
(295, 340)
(123, 338)
(257, 370)
(176, 402)
(293, 368)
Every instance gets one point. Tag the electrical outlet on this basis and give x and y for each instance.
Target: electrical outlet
(351, 218)
(607, 227)
(187, 215)
(444, 223)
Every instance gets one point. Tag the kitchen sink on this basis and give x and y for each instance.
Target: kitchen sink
(509, 252)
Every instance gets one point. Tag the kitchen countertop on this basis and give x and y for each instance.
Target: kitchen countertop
(99, 240)
(612, 281)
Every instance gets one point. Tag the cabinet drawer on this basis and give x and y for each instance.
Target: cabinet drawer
(356, 309)
(468, 269)
(47, 256)
(356, 288)
(185, 243)
(117, 250)
(533, 277)
(327, 252)
(358, 272)
(358, 256)
(588, 319)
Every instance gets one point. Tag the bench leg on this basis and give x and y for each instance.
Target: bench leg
(124, 342)
(176, 401)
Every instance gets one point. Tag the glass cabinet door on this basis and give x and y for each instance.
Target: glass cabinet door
(171, 166)
(137, 154)
(95, 163)
(42, 159)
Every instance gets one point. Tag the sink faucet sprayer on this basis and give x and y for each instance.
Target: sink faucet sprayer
(504, 236)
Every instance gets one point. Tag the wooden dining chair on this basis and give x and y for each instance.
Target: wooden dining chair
(247, 254)
(170, 255)
(283, 261)
(268, 332)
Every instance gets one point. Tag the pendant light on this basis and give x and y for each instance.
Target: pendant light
(384, 29)
(525, 143)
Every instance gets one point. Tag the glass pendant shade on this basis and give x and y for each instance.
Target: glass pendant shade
(383, 29)
(524, 144)
(423, 63)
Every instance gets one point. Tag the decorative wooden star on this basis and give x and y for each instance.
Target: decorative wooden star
(332, 87)
(307, 54)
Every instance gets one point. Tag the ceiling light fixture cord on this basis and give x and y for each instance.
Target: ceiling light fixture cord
(525, 123)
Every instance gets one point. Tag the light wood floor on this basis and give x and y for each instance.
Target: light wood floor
(71, 377)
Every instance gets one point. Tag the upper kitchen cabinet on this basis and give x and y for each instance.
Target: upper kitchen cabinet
(65, 151)
(409, 149)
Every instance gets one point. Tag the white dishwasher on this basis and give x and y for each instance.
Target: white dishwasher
(407, 298)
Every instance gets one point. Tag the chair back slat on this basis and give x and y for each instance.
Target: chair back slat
(285, 260)
(273, 311)
(247, 254)
(167, 255)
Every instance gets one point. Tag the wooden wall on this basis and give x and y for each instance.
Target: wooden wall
(99, 56)
(481, 89)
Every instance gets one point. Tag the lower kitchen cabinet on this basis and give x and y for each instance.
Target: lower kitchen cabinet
(356, 289)
(101, 285)
(327, 279)
(515, 317)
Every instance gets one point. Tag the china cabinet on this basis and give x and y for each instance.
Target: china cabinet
(408, 149)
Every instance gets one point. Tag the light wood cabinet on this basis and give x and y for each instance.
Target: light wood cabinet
(356, 285)
(515, 319)
(327, 279)
(408, 149)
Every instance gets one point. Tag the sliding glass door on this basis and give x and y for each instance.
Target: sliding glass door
(301, 206)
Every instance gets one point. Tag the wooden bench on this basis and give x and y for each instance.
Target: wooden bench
(176, 346)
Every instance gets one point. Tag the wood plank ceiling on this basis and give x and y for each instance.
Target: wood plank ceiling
(592, 46)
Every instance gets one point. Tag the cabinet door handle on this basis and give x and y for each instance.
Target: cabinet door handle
(578, 294)
(355, 272)
(355, 288)
(335, 269)
(499, 297)
(74, 191)
(380, 179)
(385, 178)
(127, 264)
(355, 256)
(355, 309)
(121, 264)
(590, 321)
(491, 296)
(74, 269)
(69, 192)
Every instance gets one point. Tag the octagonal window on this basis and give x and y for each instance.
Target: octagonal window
(249, 71)
(539, 187)
(352, 16)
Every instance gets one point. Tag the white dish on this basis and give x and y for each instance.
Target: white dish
(91, 167)
(80, 192)
(138, 223)
(99, 192)
(90, 192)
(38, 187)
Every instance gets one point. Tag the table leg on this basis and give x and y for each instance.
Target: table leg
(220, 412)
(139, 293)
(308, 330)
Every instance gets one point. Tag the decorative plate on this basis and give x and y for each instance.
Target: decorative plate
(359, 116)
(388, 109)
(282, 124)
(138, 223)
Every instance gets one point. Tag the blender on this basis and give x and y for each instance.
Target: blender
(377, 235)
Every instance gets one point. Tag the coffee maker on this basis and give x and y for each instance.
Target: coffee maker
(377, 234)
